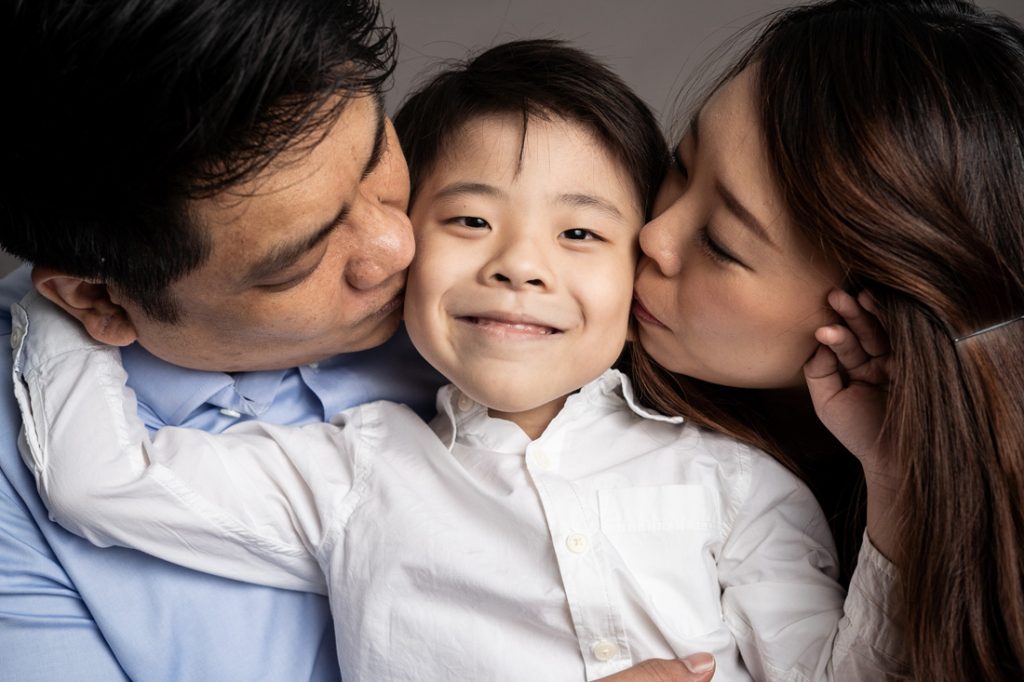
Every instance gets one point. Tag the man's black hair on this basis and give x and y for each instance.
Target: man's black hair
(121, 111)
(534, 79)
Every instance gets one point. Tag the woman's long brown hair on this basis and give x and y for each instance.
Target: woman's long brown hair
(896, 134)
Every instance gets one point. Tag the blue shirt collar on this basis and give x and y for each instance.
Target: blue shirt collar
(393, 371)
(173, 393)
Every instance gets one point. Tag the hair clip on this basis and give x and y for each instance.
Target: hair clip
(986, 330)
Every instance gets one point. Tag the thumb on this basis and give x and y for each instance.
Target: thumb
(694, 668)
(701, 665)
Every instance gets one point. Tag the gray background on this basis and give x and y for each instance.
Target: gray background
(655, 45)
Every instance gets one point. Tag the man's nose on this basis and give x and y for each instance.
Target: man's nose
(383, 246)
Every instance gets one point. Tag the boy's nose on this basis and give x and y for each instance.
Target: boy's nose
(520, 266)
(515, 282)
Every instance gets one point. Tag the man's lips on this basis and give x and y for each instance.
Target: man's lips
(389, 307)
(644, 316)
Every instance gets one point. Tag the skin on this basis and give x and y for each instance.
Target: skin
(726, 290)
(337, 211)
(341, 293)
(520, 290)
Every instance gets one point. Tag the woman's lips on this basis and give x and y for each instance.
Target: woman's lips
(644, 316)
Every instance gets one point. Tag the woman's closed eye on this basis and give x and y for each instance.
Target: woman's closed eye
(715, 250)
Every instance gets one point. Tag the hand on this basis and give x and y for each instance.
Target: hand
(693, 668)
(848, 378)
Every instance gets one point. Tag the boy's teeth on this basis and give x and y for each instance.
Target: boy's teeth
(514, 325)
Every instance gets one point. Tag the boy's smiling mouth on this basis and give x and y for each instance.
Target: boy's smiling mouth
(506, 324)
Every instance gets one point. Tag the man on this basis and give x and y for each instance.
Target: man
(214, 186)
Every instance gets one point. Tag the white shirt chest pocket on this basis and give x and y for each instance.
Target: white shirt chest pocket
(666, 538)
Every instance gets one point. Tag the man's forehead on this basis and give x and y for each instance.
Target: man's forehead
(303, 174)
(304, 189)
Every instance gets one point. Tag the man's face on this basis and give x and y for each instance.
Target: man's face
(308, 259)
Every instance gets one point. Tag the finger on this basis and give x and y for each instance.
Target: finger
(658, 670)
(824, 381)
(846, 346)
(868, 302)
(700, 665)
(862, 320)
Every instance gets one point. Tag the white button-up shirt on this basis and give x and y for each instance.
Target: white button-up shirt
(462, 550)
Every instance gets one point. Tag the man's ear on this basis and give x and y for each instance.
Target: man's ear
(89, 302)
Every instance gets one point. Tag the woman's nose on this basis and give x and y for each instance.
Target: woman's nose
(661, 241)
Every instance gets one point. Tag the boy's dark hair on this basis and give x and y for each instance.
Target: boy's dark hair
(120, 111)
(541, 79)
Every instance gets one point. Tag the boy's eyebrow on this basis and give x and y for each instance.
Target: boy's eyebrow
(591, 201)
(456, 188)
(572, 198)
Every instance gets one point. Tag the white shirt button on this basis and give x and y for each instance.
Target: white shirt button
(314, 366)
(577, 543)
(465, 403)
(605, 650)
(228, 412)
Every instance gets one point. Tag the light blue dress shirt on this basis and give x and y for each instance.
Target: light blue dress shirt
(72, 611)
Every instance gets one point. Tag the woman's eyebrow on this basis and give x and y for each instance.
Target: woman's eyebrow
(735, 206)
(747, 218)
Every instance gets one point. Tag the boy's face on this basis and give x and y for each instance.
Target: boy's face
(521, 286)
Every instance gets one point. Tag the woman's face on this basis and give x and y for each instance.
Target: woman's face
(727, 291)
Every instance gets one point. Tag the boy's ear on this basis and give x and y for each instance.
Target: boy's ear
(88, 302)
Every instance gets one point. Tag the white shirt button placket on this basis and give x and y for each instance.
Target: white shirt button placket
(599, 626)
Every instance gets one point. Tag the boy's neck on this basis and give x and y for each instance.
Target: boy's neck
(533, 421)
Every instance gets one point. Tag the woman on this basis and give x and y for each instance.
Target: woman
(861, 168)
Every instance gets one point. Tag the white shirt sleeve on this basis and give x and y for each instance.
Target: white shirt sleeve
(870, 645)
(249, 504)
(777, 569)
(780, 596)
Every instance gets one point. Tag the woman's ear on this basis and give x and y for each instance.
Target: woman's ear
(89, 302)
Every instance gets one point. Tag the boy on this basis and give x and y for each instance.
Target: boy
(543, 526)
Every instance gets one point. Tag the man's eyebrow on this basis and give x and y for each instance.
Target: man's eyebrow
(728, 197)
(591, 201)
(285, 255)
(380, 140)
(457, 188)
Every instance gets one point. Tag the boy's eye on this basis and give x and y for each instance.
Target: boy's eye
(579, 233)
(471, 221)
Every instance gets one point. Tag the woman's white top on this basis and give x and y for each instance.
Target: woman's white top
(462, 549)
